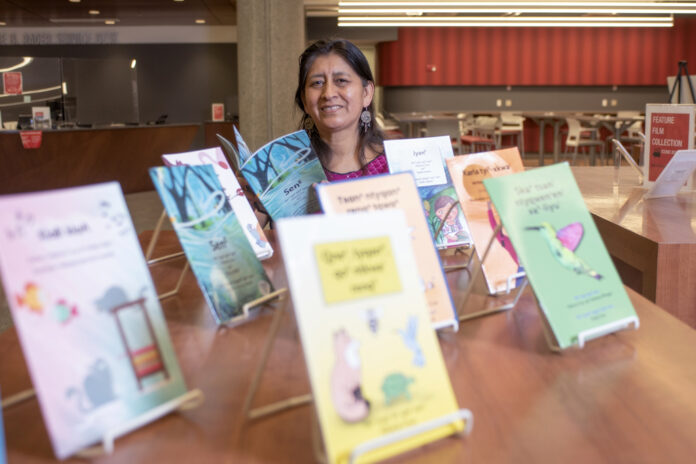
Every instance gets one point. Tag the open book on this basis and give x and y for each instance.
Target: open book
(282, 173)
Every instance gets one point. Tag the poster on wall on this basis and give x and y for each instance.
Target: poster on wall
(218, 111)
(12, 83)
(669, 128)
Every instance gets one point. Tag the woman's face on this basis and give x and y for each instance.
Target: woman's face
(334, 95)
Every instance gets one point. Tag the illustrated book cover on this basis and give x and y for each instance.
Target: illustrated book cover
(374, 361)
(282, 173)
(377, 193)
(558, 244)
(425, 158)
(86, 312)
(225, 265)
(468, 172)
(233, 191)
(3, 453)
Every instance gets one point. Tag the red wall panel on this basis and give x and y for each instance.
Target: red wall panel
(537, 56)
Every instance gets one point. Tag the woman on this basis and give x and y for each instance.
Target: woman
(334, 92)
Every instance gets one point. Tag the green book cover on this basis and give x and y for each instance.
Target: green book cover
(559, 246)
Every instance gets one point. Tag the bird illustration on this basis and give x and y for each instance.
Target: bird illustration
(562, 245)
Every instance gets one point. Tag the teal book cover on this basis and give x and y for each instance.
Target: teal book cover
(225, 265)
(282, 173)
(559, 246)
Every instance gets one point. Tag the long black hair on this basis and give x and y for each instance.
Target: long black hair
(371, 137)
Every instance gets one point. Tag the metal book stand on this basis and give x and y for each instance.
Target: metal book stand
(151, 262)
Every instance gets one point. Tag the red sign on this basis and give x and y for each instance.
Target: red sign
(12, 82)
(669, 132)
(31, 139)
(218, 112)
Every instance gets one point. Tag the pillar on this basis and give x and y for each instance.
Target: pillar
(271, 36)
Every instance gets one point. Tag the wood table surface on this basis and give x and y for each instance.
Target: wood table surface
(652, 242)
(627, 397)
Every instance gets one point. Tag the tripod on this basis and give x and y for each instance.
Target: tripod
(677, 83)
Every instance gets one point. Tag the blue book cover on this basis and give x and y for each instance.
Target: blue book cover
(282, 173)
(219, 253)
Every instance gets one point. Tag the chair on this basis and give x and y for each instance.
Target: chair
(449, 127)
(480, 134)
(577, 138)
(512, 125)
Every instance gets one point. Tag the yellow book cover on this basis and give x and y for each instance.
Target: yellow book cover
(468, 172)
(376, 193)
(374, 361)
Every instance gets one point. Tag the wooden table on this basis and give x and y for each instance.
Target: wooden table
(652, 242)
(627, 397)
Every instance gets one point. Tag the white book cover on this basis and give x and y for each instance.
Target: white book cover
(426, 157)
(233, 191)
(86, 312)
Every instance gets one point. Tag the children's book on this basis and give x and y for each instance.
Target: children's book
(468, 172)
(225, 265)
(376, 193)
(558, 244)
(233, 191)
(86, 312)
(374, 361)
(282, 173)
(425, 158)
(674, 176)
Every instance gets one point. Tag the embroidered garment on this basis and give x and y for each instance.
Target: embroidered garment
(377, 166)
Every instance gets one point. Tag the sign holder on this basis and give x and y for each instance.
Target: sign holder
(152, 261)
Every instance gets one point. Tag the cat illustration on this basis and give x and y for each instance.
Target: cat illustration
(346, 376)
(97, 388)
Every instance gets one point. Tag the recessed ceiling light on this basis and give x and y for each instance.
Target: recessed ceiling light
(3, 23)
(109, 22)
(178, 1)
(74, 1)
(200, 21)
(93, 12)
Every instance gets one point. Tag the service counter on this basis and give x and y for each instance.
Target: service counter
(71, 157)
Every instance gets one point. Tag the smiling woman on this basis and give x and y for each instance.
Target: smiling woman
(334, 92)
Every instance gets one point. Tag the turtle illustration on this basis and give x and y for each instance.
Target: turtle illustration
(395, 386)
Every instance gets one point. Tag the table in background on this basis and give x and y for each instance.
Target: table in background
(612, 122)
(627, 397)
(652, 242)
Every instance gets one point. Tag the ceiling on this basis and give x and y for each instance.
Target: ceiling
(56, 13)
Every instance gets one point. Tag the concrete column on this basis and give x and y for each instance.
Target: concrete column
(271, 36)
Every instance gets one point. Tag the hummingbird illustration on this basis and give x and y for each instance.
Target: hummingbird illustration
(562, 245)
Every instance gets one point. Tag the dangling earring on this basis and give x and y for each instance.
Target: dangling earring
(308, 124)
(365, 120)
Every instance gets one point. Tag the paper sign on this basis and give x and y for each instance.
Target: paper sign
(12, 83)
(674, 175)
(423, 160)
(218, 112)
(31, 139)
(357, 269)
(669, 128)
